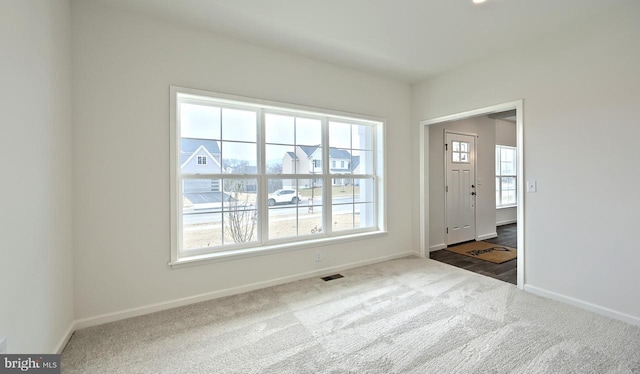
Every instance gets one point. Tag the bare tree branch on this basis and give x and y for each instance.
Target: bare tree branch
(242, 216)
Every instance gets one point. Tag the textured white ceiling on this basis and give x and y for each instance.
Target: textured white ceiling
(409, 40)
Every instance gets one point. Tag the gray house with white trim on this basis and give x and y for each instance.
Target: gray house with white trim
(201, 156)
(308, 160)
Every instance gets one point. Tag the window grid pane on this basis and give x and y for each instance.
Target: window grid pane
(295, 208)
(217, 142)
(293, 144)
(506, 178)
(353, 155)
(218, 212)
(240, 216)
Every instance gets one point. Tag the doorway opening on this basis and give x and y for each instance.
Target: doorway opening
(472, 185)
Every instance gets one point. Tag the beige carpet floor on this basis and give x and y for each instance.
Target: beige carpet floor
(403, 316)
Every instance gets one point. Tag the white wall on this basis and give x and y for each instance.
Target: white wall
(485, 128)
(581, 130)
(505, 216)
(506, 135)
(36, 306)
(123, 66)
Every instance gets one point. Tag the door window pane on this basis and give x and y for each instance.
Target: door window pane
(460, 152)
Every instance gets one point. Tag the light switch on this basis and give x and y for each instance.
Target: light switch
(532, 186)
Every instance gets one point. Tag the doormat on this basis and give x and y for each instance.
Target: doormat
(485, 251)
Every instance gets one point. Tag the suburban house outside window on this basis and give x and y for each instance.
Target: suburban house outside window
(506, 176)
(248, 174)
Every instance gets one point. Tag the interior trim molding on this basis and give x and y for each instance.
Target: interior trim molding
(506, 222)
(65, 338)
(598, 309)
(490, 235)
(518, 105)
(437, 247)
(152, 308)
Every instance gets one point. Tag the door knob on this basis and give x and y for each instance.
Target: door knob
(473, 194)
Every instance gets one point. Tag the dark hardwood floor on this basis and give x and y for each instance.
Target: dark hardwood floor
(507, 236)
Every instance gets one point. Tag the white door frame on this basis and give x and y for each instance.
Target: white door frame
(446, 183)
(518, 105)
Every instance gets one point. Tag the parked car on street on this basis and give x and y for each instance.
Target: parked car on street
(283, 196)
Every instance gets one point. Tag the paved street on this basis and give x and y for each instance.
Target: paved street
(210, 216)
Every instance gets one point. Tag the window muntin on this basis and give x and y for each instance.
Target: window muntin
(254, 151)
(506, 176)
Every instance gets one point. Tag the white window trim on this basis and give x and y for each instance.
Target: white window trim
(273, 246)
(499, 175)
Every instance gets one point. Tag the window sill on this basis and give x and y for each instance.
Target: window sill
(237, 254)
(506, 206)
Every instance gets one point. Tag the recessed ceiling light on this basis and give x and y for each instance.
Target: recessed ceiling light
(479, 1)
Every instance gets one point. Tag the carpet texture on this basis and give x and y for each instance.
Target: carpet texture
(485, 251)
(403, 316)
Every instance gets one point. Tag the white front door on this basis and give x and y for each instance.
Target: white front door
(460, 183)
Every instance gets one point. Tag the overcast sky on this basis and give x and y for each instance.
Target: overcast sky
(208, 122)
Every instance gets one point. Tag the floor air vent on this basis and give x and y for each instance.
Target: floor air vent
(332, 277)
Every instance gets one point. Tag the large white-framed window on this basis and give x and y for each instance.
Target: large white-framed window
(506, 176)
(264, 185)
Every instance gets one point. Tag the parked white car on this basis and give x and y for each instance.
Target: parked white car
(284, 196)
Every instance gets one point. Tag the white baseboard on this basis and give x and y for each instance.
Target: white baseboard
(506, 222)
(134, 312)
(583, 305)
(65, 338)
(437, 247)
(487, 236)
